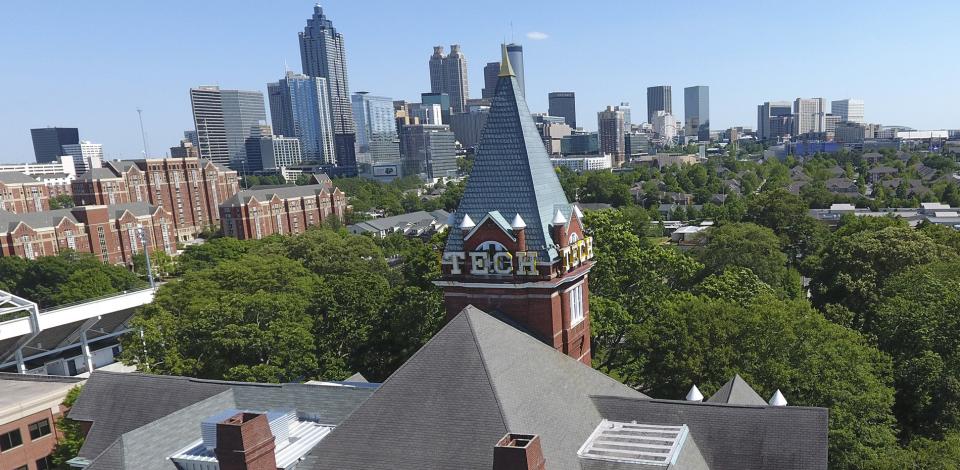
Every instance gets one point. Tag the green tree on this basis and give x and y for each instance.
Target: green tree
(749, 246)
(71, 435)
(61, 201)
(788, 216)
(773, 344)
(855, 267)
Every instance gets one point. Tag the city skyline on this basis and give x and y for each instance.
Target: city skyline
(102, 97)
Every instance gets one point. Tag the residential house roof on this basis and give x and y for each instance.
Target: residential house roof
(15, 177)
(737, 392)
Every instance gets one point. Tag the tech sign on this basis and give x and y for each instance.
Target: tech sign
(494, 259)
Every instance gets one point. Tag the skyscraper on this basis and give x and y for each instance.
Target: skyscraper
(515, 53)
(770, 115)
(299, 108)
(48, 142)
(376, 127)
(243, 114)
(563, 104)
(86, 155)
(323, 55)
(224, 120)
(207, 105)
(849, 110)
(428, 150)
(448, 74)
(610, 130)
(490, 72)
(624, 107)
(696, 108)
(809, 115)
(659, 98)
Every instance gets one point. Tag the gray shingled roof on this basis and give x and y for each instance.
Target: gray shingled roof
(457, 396)
(737, 392)
(97, 174)
(265, 193)
(402, 220)
(735, 437)
(512, 174)
(117, 403)
(148, 447)
(15, 177)
(37, 220)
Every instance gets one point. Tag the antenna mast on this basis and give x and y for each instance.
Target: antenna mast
(143, 135)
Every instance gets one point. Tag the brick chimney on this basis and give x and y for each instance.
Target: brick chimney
(518, 452)
(244, 442)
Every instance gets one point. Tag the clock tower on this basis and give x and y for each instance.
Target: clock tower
(516, 245)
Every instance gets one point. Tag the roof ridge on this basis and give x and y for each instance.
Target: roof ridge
(483, 361)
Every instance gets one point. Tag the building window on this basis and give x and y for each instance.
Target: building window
(10, 440)
(71, 241)
(28, 247)
(576, 305)
(45, 463)
(165, 233)
(39, 429)
(132, 234)
(102, 236)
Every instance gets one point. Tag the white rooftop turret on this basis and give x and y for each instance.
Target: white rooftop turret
(467, 223)
(778, 399)
(559, 219)
(694, 394)
(518, 223)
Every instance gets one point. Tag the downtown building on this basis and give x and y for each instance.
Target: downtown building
(506, 384)
(260, 212)
(849, 110)
(448, 74)
(696, 106)
(377, 137)
(225, 121)
(428, 150)
(610, 128)
(774, 120)
(299, 108)
(659, 98)
(323, 55)
(48, 142)
(563, 104)
(190, 189)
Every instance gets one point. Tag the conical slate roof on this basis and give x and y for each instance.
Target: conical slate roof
(737, 392)
(457, 396)
(512, 173)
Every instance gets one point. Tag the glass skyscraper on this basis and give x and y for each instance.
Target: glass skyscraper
(659, 98)
(299, 108)
(696, 109)
(224, 120)
(376, 127)
(515, 53)
(322, 54)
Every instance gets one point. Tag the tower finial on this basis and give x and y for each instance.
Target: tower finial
(505, 69)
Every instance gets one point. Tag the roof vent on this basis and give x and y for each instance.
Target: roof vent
(778, 399)
(694, 394)
(518, 223)
(634, 443)
(559, 219)
(467, 223)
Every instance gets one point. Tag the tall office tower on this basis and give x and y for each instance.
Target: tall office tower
(490, 72)
(440, 99)
(563, 104)
(665, 125)
(696, 108)
(299, 108)
(243, 114)
(467, 127)
(86, 155)
(428, 150)
(767, 114)
(323, 55)
(849, 110)
(254, 160)
(515, 53)
(830, 122)
(624, 107)
(448, 74)
(611, 131)
(48, 142)
(279, 151)
(659, 98)
(809, 115)
(376, 127)
(207, 105)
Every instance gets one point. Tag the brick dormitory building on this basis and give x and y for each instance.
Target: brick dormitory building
(190, 189)
(259, 212)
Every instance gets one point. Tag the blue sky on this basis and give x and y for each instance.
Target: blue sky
(90, 64)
